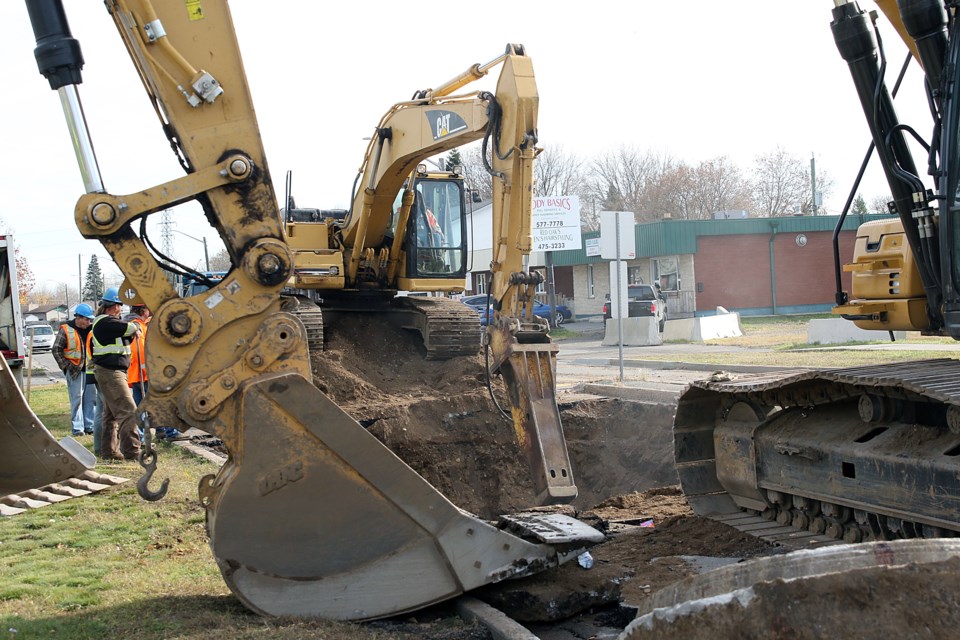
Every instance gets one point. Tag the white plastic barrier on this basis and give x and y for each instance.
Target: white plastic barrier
(722, 325)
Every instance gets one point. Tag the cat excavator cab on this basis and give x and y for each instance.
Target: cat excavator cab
(233, 360)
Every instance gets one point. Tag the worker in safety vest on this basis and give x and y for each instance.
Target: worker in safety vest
(92, 389)
(137, 377)
(69, 350)
(111, 360)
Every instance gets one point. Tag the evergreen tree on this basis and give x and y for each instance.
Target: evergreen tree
(93, 283)
(859, 206)
(453, 159)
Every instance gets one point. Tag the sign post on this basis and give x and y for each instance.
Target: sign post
(618, 242)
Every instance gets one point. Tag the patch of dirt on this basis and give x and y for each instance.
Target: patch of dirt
(438, 417)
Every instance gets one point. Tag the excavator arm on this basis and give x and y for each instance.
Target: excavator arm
(435, 121)
(232, 362)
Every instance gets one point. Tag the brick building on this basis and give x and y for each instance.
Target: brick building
(756, 266)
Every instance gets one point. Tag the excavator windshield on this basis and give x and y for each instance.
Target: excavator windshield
(437, 230)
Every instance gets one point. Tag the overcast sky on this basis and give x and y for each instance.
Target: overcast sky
(696, 80)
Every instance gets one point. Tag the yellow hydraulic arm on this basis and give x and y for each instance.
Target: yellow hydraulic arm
(231, 362)
(436, 121)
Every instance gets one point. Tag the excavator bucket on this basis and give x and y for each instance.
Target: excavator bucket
(312, 516)
(36, 469)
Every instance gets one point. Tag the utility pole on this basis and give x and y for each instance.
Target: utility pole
(813, 183)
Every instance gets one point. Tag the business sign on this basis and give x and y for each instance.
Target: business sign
(592, 246)
(556, 223)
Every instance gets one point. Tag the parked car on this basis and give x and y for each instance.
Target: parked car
(643, 300)
(42, 336)
(543, 310)
(479, 303)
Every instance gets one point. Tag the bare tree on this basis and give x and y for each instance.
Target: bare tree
(220, 261)
(558, 173)
(628, 180)
(715, 185)
(880, 204)
(780, 183)
(475, 173)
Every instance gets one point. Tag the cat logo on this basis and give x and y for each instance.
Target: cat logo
(445, 123)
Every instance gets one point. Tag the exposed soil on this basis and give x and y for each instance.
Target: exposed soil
(439, 418)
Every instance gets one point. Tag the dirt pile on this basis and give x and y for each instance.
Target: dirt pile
(437, 416)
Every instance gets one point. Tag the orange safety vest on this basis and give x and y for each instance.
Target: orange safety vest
(138, 364)
(90, 351)
(73, 352)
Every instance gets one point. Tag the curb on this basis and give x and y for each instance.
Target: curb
(500, 626)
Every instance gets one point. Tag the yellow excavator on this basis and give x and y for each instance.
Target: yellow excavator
(861, 453)
(233, 360)
(406, 230)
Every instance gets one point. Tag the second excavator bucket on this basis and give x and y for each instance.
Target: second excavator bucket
(35, 468)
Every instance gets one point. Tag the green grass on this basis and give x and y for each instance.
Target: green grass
(110, 565)
(781, 341)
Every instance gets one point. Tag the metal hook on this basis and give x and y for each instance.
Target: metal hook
(148, 460)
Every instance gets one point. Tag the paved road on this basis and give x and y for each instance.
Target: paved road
(46, 368)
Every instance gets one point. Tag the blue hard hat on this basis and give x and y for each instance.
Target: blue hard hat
(112, 295)
(83, 309)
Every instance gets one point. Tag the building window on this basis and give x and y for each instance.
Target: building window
(591, 291)
(666, 272)
(635, 275)
(542, 287)
(481, 282)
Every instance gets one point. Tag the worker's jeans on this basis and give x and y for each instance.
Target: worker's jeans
(139, 391)
(82, 404)
(120, 434)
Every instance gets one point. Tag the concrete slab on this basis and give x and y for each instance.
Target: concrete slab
(834, 330)
(637, 332)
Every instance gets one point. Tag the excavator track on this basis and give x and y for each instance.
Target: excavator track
(311, 315)
(862, 453)
(449, 329)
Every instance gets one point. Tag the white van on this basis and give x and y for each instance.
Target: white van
(42, 336)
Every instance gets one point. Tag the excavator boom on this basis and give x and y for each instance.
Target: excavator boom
(233, 362)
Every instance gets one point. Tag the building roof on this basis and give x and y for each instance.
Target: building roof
(47, 308)
(673, 237)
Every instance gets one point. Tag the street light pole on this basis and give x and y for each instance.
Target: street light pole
(206, 256)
